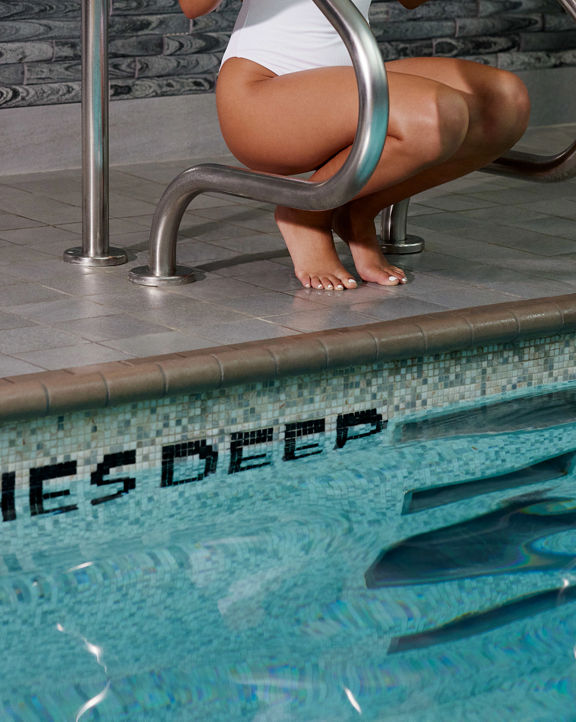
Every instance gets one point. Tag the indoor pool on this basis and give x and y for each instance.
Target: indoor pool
(419, 573)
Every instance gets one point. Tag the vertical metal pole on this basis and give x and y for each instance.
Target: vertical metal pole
(394, 238)
(95, 167)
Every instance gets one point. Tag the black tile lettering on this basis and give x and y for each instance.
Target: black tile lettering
(37, 496)
(8, 501)
(241, 439)
(369, 418)
(109, 462)
(204, 451)
(295, 432)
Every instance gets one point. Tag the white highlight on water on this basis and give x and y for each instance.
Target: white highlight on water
(81, 566)
(352, 700)
(97, 652)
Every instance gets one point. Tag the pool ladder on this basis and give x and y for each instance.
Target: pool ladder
(306, 195)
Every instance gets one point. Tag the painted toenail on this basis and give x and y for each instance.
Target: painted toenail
(340, 287)
(306, 285)
(392, 278)
(403, 280)
(319, 286)
(329, 286)
(351, 280)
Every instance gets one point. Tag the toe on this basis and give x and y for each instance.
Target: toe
(316, 282)
(349, 282)
(304, 279)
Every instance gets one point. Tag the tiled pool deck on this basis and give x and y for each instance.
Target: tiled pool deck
(488, 240)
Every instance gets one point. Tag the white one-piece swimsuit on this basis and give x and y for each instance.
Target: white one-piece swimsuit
(286, 36)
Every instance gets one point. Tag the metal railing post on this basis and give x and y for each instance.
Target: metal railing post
(95, 250)
(394, 238)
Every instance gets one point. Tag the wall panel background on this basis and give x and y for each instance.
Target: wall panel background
(155, 51)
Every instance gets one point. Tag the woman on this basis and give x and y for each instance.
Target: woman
(287, 103)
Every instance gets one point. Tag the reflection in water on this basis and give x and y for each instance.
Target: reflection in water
(480, 622)
(520, 414)
(430, 498)
(97, 651)
(499, 542)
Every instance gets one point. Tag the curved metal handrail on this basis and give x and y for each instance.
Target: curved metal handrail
(307, 195)
(533, 166)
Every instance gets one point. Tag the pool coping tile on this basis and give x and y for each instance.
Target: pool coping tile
(117, 382)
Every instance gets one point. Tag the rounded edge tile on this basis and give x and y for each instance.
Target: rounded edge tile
(66, 395)
(297, 355)
(349, 347)
(129, 384)
(192, 373)
(22, 400)
(246, 365)
(397, 339)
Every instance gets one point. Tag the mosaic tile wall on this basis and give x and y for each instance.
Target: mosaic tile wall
(226, 431)
(155, 51)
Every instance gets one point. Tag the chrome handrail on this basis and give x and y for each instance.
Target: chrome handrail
(95, 250)
(520, 164)
(534, 166)
(307, 195)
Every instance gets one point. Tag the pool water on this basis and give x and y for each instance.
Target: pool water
(332, 589)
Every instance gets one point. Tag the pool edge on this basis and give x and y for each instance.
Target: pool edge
(101, 385)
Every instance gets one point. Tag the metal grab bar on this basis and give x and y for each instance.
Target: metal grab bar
(344, 185)
(95, 216)
(535, 167)
(520, 164)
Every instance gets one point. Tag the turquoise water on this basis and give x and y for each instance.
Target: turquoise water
(327, 589)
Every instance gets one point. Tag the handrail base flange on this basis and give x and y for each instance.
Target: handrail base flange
(144, 277)
(113, 257)
(410, 244)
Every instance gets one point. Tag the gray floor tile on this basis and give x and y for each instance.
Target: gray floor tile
(66, 309)
(271, 304)
(323, 319)
(388, 309)
(458, 202)
(87, 353)
(506, 214)
(561, 207)
(39, 234)
(11, 320)
(10, 221)
(103, 328)
(124, 206)
(37, 207)
(249, 330)
(462, 297)
(215, 288)
(158, 343)
(34, 338)
(24, 293)
(10, 366)
(551, 226)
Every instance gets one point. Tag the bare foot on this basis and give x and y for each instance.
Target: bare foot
(360, 235)
(308, 237)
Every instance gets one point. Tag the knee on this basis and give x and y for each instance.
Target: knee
(443, 124)
(506, 110)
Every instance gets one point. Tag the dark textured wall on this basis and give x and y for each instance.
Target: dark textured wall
(156, 51)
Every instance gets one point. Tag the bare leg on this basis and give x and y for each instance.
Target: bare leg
(429, 134)
(499, 110)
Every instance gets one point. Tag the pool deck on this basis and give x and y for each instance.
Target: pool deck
(489, 240)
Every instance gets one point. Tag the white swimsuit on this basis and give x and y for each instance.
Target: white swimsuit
(286, 36)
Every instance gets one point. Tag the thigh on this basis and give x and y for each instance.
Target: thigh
(464, 75)
(294, 123)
